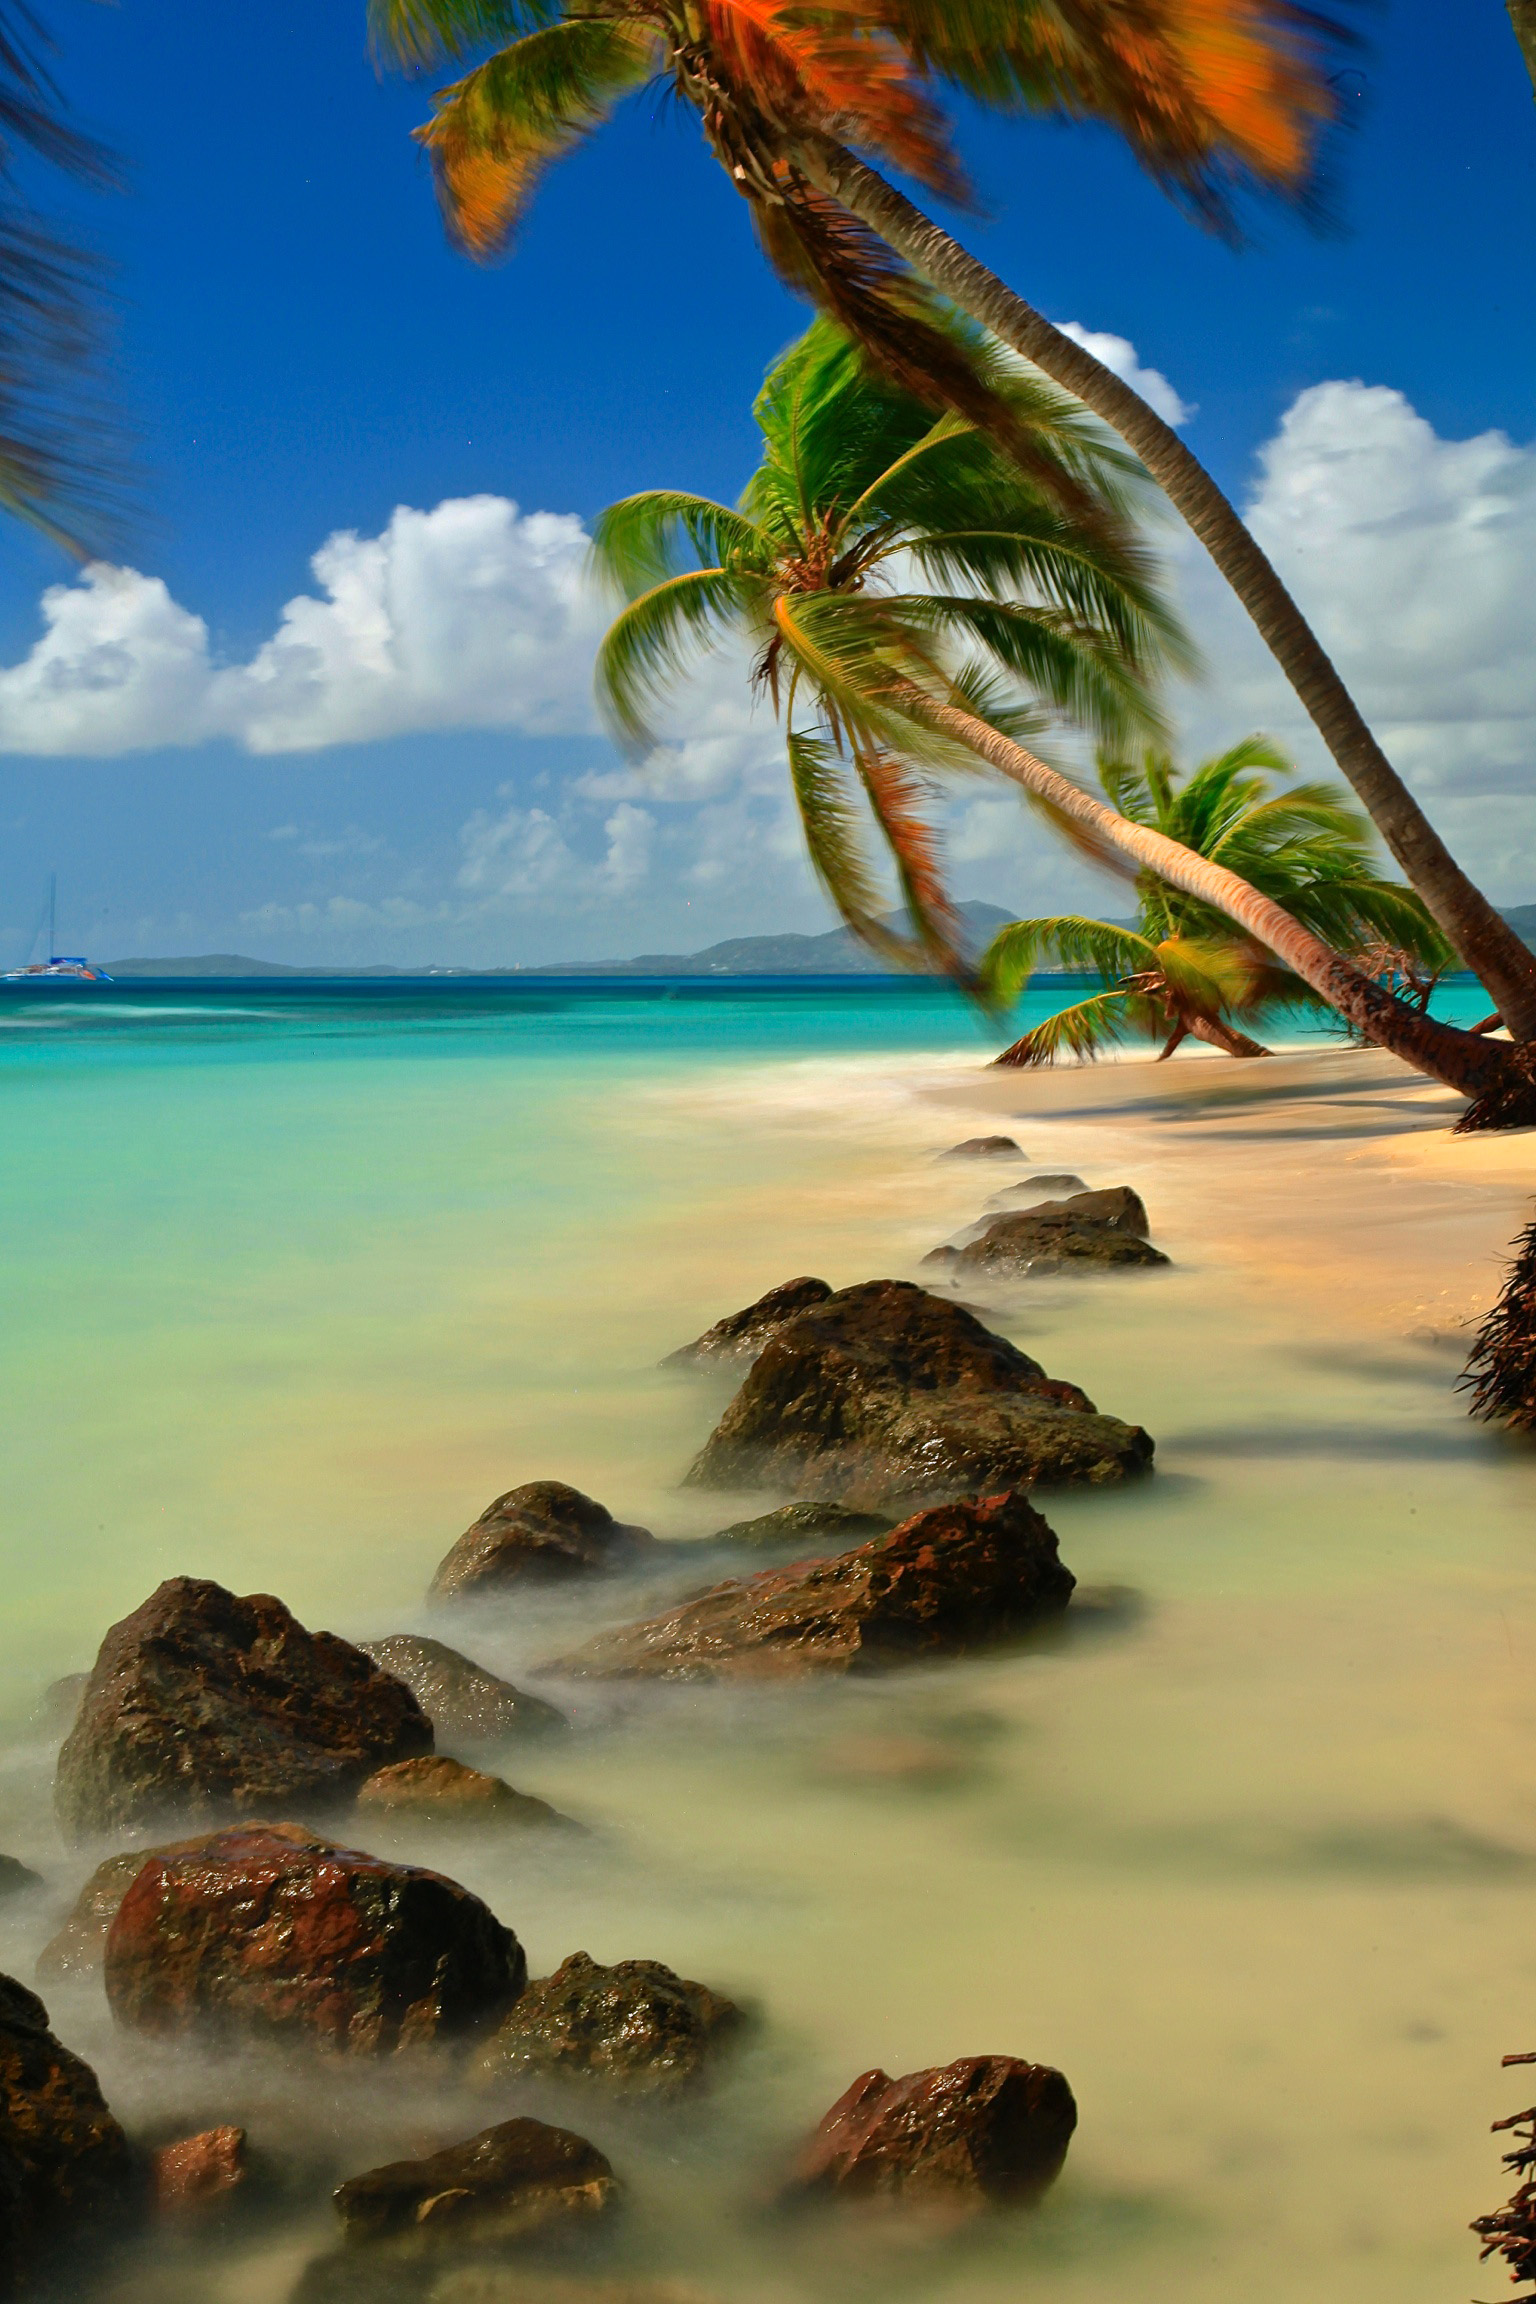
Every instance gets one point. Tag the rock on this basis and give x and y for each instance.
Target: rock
(541, 1533)
(636, 2025)
(202, 1704)
(507, 2183)
(1036, 1188)
(198, 2170)
(1118, 1207)
(984, 1148)
(988, 2129)
(1102, 1228)
(16, 1877)
(264, 1932)
(948, 1580)
(736, 1341)
(793, 1523)
(77, 1947)
(66, 2171)
(465, 1703)
(437, 1790)
(887, 1392)
(59, 1703)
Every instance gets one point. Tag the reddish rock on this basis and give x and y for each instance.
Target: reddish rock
(202, 1705)
(736, 1341)
(66, 2173)
(885, 1392)
(945, 1581)
(507, 2183)
(985, 2130)
(541, 1533)
(437, 1790)
(265, 1933)
(76, 1949)
(638, 2026)
(198, 2170)
(465, 1703)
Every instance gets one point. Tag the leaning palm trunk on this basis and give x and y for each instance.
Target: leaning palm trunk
(1483, 1069)
(1522, 14)
(1485, 941)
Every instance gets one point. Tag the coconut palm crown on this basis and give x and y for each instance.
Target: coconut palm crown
(1184, 969)
(881, 559)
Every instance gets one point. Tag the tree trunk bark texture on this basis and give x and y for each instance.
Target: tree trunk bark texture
(1485, 941)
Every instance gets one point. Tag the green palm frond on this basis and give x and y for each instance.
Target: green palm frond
(416, 34)
(1208, 977)
(832, 820)
(1087, 1029)
(1081, 945)
(640, 541)
(649, 647)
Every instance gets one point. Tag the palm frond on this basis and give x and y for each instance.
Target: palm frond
(652, 643)
(416, 34)
(636, 543)
(1081, 945)
(896, 798)
(1086, 1030)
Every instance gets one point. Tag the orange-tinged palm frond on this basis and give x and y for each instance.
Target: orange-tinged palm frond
(896, 799)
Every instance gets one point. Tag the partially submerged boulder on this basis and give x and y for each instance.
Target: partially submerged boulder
(888, 1392)
(1107, 1229)
(512, 2182)
(801, 1523)
(59, 1703)
(77, 1946)
(948, 1580)
(541, 1533)
(16, 1878)
(197, 2172)
(988, 2130)
(203, 1705)
(437, 1790)
(265, 1933)
(465, 1703)
(66, 2170)
(984, 1148)
(736, 1341)
(1054, 1186)
(638, 2026)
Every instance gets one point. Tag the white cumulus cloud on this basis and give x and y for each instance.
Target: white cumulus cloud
(1118, 354)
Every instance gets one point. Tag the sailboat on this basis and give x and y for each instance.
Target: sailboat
(71, 967)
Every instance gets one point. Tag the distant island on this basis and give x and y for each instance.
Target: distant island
(836, 953)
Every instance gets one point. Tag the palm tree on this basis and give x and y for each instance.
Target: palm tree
(1522, 15)
(913, 600)
(1182, 972)
(1214, 97)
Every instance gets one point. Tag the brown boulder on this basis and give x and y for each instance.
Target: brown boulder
(1096, 1228)
(198, 2170)
(541, 1533)
(66, 2172)
(947, 1580)
(437, 1790)
(202, 1704)
(465, 1703)
(736, 1340)
(265, 1933)
(986, 2130)
(887, 1392)
(637, 2025)
(508, 2183)
(76, 1948)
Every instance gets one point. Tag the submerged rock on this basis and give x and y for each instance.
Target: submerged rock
(947, 1580)
(265, 1933)
(792, 1523)
(465, 1703)
(541, 1533)
(986, 2130)
(508, 2183)
(198, 2171)
(984, 1148)
(16, 1878)
(1096, 1228)
(1036, 1188)
(637, 2025)
(66, 2171)
(737, 1340)
(59, 1703)
(437, 1790)
(202, 1705)
(886, 1391)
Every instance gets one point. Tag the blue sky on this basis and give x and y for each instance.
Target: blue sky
(299, 353)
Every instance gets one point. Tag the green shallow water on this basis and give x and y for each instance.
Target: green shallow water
(295, 1283)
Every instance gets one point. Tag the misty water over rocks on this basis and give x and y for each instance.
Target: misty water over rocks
(1242, 1843)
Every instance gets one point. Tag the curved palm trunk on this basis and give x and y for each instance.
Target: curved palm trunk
(1218, 1034)
(1522, 14)
(1487, 943)
(1486, 1070)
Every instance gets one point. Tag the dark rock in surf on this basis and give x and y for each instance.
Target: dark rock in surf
(265, 1934)
(202, 1705)
(66, 2171)
(1106, 1229)
(637, 2026)
(541, 1533)
(465, 1703)
(77, 1946)
(986, 2131)
(437, 1790)
(509, 2183)
(948, 1580)
(736, 1341)
(804, 1523)
(886, 1391)
(984, 1148)
(199, 2172)
(1037, 1188)
(16, 1878)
